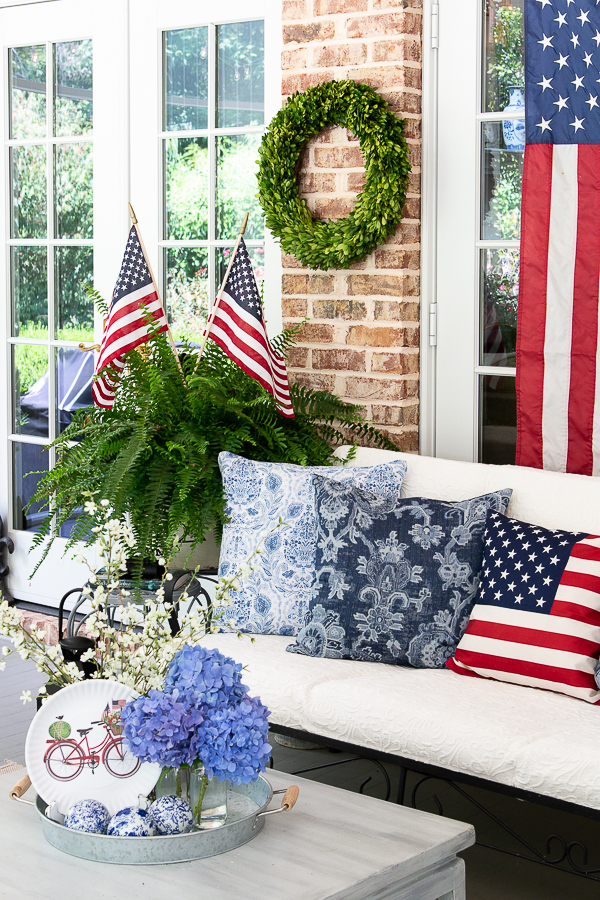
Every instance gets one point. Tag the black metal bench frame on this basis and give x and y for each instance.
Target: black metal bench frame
(568, 856)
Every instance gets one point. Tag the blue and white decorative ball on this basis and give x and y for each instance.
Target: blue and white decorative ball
(88, 815)
(173, 815)
(132, 822)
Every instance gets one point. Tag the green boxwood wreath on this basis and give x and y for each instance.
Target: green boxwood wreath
(327, 244)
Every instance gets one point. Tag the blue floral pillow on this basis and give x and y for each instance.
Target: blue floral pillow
(276, 597)
(395, 580)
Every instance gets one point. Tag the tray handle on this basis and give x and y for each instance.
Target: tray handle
(288, 802)
(20, 788)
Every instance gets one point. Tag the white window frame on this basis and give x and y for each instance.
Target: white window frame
(458, 195)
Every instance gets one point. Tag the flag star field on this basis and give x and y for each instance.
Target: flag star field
(562, 77)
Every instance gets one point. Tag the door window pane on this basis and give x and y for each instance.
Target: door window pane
(73, 187)
(30, 390)
(186, 79)
(499, 305)
(29, 269)
(237, 186)
(74, 310)
(28, 165)
(74, 207)
(502, 174)
(30, 464)
(187, 291)
(28, 91)
(186, 189)
(240, 74)
(498, 426)
(503, 52)
(74, 372)
(73, 96)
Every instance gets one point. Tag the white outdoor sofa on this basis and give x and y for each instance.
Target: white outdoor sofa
(534, 744)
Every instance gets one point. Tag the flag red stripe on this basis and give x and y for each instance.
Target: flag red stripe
(451, 664)
(516, 634)
(586, 551)
(535, 225)
(572, 677)
(576, 611)
(224, 345)
(581, 580)
(585, 313)
(248, 350)
(234, 345)
(267, 359)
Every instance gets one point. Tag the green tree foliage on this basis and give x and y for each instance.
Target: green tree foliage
(154, 455)
(506, 67)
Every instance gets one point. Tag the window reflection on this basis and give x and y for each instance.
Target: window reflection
(241, 74)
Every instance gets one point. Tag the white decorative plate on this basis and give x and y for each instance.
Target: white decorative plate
(74, 749)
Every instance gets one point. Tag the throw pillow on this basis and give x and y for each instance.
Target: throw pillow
(395, 580)
(276, 596)
(537, 617)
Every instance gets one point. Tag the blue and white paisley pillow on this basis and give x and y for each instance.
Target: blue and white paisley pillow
(395, 580)
(276, 597)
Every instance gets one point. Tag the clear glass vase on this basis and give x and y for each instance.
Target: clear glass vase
(207, 796)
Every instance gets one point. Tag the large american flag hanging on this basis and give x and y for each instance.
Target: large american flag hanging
(239, 329)
(134, 304)
(558, 369)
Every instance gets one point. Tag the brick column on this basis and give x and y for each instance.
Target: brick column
(362, 340)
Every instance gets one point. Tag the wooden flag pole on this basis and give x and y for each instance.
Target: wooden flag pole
(221, 289)
(134, 222)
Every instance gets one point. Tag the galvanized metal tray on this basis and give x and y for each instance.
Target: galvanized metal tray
(246, 813)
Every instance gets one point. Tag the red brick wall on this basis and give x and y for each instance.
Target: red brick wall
(362, 340)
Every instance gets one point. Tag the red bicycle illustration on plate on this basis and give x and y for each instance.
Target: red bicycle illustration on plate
(65, 757)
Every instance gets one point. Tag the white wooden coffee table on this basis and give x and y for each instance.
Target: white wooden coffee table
(333, 844)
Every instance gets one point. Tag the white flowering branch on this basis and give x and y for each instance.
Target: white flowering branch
(138, 646)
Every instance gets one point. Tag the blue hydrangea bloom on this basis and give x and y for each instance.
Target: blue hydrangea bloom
(205, 676)
(202, 715)
(232, 741)
(159, 727)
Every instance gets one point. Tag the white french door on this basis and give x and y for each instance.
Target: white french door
(479, 170)
(160, 103)
(61, 90)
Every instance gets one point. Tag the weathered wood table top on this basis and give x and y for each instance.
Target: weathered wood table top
(333, 844)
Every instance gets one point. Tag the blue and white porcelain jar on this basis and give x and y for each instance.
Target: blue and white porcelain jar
(514, 129)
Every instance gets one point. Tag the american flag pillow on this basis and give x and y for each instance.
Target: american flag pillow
(536, 620)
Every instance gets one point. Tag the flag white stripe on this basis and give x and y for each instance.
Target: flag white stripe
(567, 593)
(580, 693)
(516, 618)
(529, 653)
(122, 344)
(111, 344)
(243, 339)
(277, 362)
(282, 396)
(582, 566)
(562, 246)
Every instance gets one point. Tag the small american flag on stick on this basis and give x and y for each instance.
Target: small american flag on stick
(238, 327)
(136, 314)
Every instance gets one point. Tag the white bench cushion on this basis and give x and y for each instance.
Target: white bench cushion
(531, 739)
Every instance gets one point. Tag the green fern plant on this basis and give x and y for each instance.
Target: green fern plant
(154, 455)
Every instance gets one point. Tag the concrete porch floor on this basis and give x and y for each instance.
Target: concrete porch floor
(491, 875)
